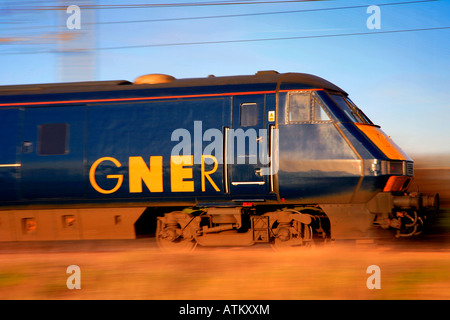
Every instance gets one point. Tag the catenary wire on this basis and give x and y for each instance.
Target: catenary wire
(233, 15)
(234, 41)
(163, 5)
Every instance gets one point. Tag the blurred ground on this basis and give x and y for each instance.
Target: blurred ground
(136, 269)
(123, 270)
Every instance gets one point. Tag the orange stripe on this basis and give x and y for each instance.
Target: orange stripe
(136, 99)
(383, 142)
(150, 98)
(296, 90)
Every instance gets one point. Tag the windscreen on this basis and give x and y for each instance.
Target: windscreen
(350, 109)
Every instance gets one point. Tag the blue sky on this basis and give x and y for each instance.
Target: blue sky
(400, 80)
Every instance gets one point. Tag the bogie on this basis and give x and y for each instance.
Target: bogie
(237, 227)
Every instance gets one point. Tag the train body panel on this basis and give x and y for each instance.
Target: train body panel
(9, 159)
(261, 143)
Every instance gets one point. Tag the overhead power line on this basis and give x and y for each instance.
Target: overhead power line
(243, 40)
(162, 5)
(261, 13)
(271, 39)
(236, 15)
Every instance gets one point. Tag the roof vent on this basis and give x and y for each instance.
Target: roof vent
(264, 72)
(154, 79)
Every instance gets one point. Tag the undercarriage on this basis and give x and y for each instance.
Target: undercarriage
(239, 227)
(403, 215)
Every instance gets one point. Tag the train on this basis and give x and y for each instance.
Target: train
(286, 159)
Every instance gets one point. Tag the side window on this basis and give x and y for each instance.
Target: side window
(299, 107)
(249, 114)
(319, 113)
(52, 139)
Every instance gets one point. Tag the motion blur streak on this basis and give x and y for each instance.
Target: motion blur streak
(336, 272)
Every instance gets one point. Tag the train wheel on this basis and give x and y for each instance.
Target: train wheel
(173, 232)
(293, 234)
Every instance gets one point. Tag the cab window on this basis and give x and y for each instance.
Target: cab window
(319, 112)
(350, 109)
(299, 107)
(306, 107)
(361, 114)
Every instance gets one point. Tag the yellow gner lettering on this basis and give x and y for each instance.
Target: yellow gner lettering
(178, 172)
(207, 173)
(153, 177)
(119, 177)
(181, 174)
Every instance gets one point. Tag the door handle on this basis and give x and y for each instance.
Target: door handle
(225, 160)
(258, 172)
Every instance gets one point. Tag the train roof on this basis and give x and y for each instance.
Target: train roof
(271, 79)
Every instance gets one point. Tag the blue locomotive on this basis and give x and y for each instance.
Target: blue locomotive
(271, 158)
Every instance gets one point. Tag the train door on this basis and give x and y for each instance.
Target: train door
(53, 153)
(9, 161)
(247, 146)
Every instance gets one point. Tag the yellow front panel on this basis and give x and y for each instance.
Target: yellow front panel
(383, 142)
